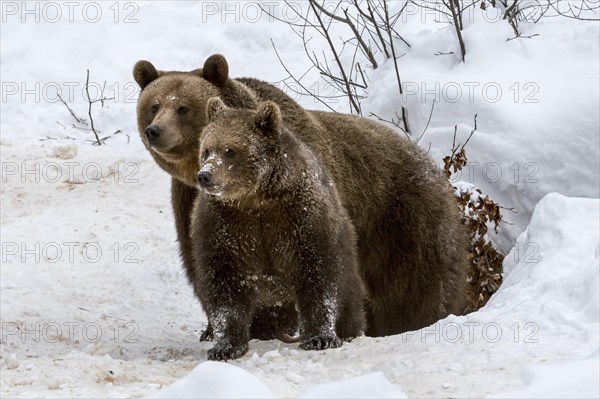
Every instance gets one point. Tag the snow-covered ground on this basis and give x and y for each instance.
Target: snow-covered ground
(93, 298)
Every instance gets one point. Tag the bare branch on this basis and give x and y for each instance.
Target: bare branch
(398, 80)
(428, 121)
(355, 105)
(397, 123)
(454, 8)
(79, 120)
(90, 102)
(457, 158)
(298, 81)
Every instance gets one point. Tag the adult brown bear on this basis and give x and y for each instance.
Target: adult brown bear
(412, 246)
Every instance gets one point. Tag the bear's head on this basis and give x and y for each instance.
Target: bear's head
(171, 111)
(239, 150)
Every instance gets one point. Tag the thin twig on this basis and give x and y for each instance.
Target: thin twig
(472, 132)
(523, 37)
(395, 59)
(353, 102)
(87, 92)
(392, 122)
(457, 18)
(109, 136)
(57, 138)
(428, 121)
(81, 128)
(370, 17)
(70, 110)
(298, 81)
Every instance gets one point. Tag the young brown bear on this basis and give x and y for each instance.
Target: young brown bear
(269, 229)
(412, 246)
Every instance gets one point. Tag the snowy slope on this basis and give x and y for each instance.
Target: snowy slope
(538, 336)
(93, 301)
(536, 102)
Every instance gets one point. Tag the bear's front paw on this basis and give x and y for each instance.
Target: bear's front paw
(321, 342)
(207, 335)
(226, 350)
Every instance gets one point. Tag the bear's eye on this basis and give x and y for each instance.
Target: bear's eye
(229, 153)
(183, 110)
(205, 154)
(154, 108)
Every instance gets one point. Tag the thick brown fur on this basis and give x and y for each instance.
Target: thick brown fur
(412, 246)
(269, 230)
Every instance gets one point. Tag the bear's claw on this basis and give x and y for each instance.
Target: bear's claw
(224, 350)
(321, 342)
(207, 335)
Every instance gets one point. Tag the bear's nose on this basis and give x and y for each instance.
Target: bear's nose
(152, 132)
(204, 177)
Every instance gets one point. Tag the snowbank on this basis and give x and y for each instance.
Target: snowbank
(222, 380)
(373, 385)
(536, 103)
(217, 380)
(571, 379)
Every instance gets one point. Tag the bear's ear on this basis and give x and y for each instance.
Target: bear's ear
(214, 108)
(268, 117)
(216, 70)
(144, 73)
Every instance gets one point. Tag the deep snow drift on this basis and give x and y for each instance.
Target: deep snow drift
(93, 298)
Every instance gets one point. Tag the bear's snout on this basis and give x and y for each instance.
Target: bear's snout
(152, 133)
(204, 178)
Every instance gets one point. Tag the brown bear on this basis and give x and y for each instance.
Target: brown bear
(171, 113)
(412, 246)
(268, 229)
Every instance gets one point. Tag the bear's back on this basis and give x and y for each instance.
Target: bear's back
(407, 220)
